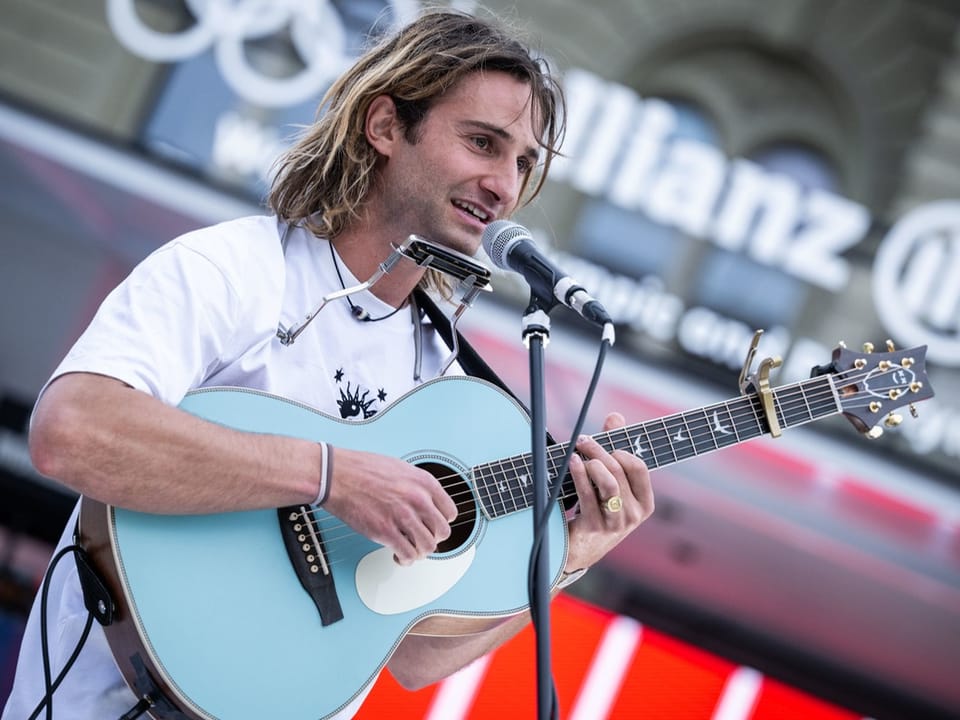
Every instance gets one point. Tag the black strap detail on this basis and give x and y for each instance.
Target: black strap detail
(468, 357)
(96, 597)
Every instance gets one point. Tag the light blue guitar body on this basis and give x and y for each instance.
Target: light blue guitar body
(223, 622)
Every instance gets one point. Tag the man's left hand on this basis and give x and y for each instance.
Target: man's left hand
(600, 478)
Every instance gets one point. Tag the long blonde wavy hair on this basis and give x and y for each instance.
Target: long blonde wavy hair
(323, 180)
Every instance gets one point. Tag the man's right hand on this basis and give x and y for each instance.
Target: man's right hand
(391, 502)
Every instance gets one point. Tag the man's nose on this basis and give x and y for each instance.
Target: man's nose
(503, 183)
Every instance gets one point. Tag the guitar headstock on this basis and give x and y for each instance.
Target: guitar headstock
(872, 385)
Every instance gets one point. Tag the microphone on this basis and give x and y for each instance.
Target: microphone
(511, 247)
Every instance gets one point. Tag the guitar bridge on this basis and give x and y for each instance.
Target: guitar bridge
(307, 553)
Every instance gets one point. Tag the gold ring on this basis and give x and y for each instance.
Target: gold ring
(613, 504)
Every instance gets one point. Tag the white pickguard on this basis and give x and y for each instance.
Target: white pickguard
(388, 588)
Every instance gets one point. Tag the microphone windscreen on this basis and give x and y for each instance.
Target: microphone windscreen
(499, 237)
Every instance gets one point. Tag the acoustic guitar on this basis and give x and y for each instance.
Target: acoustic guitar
(289, 613)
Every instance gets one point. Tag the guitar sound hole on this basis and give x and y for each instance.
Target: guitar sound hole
(458, 489)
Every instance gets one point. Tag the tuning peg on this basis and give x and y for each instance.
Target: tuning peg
(874, 432)
(893, 419)
(890, 346)
(913, 411)
(842, 344)
(916, 386)
(868, 347)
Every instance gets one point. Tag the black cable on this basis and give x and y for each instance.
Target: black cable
(554, 497)
(571, 447)
(137, 710)
(51, 687)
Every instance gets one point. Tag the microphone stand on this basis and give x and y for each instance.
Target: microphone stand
(536, 335)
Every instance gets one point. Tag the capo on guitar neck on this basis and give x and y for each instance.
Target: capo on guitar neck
(759, 383)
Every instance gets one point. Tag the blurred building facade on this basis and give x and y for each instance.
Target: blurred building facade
(791, 165)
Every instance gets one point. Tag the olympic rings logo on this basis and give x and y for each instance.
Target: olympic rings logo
(315, 28)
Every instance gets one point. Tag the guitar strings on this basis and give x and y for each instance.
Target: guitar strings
(789, 399)
(699, 432)
(555, 455)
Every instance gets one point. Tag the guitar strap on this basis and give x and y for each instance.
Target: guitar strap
(467, 356)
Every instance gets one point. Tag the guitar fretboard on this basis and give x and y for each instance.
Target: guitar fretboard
(506, 486)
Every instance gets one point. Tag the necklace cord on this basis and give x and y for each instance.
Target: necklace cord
(358, 312)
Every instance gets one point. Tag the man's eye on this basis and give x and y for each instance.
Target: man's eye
(481, 142)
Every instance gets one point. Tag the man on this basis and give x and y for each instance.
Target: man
(436, 131)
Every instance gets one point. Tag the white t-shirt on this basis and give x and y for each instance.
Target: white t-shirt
(203, 311)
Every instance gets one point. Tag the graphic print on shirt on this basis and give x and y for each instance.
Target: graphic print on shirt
(355, 402)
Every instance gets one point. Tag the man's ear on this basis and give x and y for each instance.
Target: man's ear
(382, 126)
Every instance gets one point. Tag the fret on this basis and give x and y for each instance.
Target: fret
(619, 439)
(782, 406)
(778, 412)
(640, 445)
(555, 455)
(553, 472)
(795, 401)
(806, 404)
(500, 485)
(792, 411)
(723, 426)
(659, 445)
(680, 441)
(511, 480)
(483, 480)
(710, 430)
(498, 504)
(648, 448)
(690, 436)
(750, 420)
(825, 398)
(701, 431)
(666, 433)
(521, 489)
(480, 487)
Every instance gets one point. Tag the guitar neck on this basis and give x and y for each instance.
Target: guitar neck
(505, 486)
